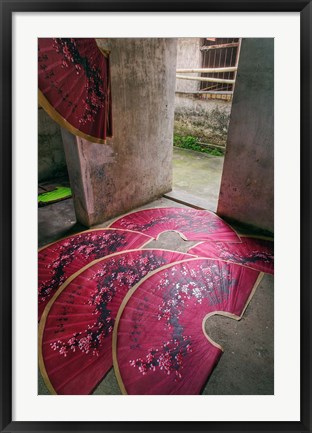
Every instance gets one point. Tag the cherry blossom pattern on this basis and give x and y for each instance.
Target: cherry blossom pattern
(170, 354)
(60, 260)
(94, 101)
(168, 358)
(78, 329)
(191, 223)
(73, 76)
(254, 253)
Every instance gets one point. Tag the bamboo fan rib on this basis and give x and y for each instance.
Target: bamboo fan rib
(60, 260)
(159, 346)
(74, 86)
(191, 224)
(76, 328)
(255, 253)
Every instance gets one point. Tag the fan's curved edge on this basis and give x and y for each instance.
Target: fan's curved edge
(180, 233)
(96, 230)
(135, 287)
(196, 245)
(58, 118)
(43, 320)
(106, 52)
(182, 236)
(48, 307)
(263, 238)
(119, 314)
(228, 314)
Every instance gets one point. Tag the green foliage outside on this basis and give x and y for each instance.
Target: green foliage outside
(192, 143)
(207, 127)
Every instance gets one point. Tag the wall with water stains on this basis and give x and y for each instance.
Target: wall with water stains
(247, 186)
(189, 56)
(135, 165)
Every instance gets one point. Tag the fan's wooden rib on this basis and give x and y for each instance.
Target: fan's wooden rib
(140, 372)
(53, 346)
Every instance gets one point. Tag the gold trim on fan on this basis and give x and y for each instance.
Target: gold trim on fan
(56, 116)
(59, 291)
(149, 275)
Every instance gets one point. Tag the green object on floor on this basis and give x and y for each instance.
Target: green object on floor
(60, 193)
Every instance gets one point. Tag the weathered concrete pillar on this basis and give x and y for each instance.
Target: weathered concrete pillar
(135, 166)
(78, 152)
(247, 186)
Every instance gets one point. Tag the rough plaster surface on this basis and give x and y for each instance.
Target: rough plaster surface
(51, 157)
(189, 103)
(135, 166)
(79, 177)
(206, 119)
(189, 56)
(247, 186)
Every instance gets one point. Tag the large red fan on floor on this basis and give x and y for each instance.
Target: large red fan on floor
(60, 260)
(76, 328)
(191, 224)
(165, 312)
(255, 253)
(74, 86)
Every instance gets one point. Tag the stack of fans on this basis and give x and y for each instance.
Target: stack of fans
(104, 300)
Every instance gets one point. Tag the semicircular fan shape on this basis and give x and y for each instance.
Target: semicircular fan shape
(170, 353)
(61, 259)
(74, 86)
(191, 224)
(255, 253)
(76, 329)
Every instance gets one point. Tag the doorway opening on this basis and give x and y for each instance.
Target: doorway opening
(206, 73)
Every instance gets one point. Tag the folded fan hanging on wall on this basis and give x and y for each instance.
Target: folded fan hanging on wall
(74, 86)
(252, 252)
(60, 260)
(167, 311)
(191, 224)
(76, 328)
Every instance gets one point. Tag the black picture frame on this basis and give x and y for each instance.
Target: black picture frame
(7, 9)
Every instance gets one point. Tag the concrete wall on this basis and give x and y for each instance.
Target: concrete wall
(247, 186)
(188, 56)
(135, 166)
(51, 157)
(206, 119)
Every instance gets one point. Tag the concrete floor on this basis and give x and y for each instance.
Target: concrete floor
(247, 364)
(196, 178)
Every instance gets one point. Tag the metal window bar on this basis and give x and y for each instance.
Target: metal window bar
(218, 53)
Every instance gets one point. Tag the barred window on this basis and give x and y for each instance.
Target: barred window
(219, 53)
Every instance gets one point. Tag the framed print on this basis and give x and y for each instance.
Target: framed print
(71, 28)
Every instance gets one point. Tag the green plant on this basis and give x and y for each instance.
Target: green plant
(192, 143)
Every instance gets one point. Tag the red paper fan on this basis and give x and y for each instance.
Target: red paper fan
(191, 224)
(58, 261)
(74, 87)
(170, 353)
(255, 253)
(76, 329)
